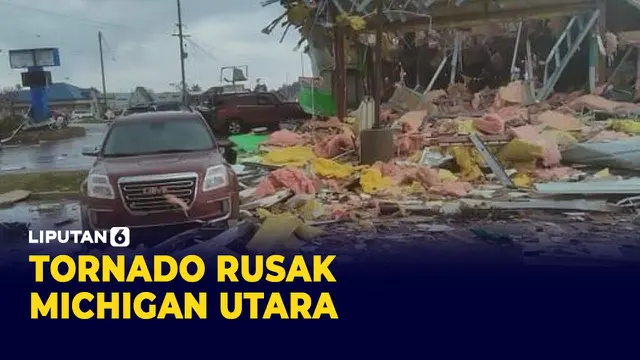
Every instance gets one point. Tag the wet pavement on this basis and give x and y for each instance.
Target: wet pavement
(58, 155)
(39, 216)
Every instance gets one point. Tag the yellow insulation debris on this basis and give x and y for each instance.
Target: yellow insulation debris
(446, 176)
(467, 160)
(629, 127)
(604, 173)
(372, 181)
(330, 169)
(466, 126)
(520, 151)
(522, 180)
(564, 139)
(295, 156)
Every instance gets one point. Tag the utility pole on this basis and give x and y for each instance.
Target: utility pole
(183, 54)
(104, 82)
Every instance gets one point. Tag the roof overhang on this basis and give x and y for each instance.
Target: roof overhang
(445, 14)
(408, 15)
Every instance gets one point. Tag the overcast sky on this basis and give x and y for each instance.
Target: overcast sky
(139, 49)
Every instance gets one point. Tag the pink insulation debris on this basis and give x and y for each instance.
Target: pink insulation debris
(490, 124)
(284, 138)
(552, 155)
(514, 115)
(386, 169)
(402, 144)
(556, 173)
(607, 135)
(595, 102)
(457, 189)
(427, 177)
(387, 116)
(430, 179)
(319, 124)
(412, 120)
(559, 121)
(406, 144)
(334, 145)
(293, 179)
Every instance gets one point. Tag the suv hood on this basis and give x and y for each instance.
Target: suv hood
(158, 164)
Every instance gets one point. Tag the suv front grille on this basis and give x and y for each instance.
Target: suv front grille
(147, 194)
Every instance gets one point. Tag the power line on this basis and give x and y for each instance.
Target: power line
(86, 21)
(203, 50)
(113, 55)
(183, 55)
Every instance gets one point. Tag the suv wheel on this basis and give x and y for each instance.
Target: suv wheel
(234, 127)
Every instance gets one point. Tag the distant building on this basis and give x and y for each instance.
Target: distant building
(118, 101)
(68, 98)
(63, 97)
(140, 96)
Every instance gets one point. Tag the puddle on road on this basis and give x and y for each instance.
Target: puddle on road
(63, 154)
(40, 216)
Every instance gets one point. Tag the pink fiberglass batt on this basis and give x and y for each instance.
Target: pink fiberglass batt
(334, 145)
(490, 124)
(552, 155)
(293, 179)
(284, 138)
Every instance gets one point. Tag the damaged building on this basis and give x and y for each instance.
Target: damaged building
(551, 45)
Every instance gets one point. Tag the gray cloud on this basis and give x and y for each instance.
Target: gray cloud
(139, 47)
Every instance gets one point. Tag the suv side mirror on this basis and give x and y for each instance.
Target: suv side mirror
(90, 151)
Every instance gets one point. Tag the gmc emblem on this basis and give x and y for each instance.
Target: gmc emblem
(155, 190)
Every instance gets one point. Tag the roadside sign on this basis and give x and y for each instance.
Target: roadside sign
(28, 58)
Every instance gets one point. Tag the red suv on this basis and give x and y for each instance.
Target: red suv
(150, 158)
(239, 112)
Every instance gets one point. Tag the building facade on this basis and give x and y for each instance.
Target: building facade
(63, 97)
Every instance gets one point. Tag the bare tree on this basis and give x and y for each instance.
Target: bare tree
(8, 98)
(190, 88)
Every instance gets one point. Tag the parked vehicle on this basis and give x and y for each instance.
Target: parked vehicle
(82, 115)
(144, 160)
(236, 113)
(168, 106)
(137, 110)
(172, 106)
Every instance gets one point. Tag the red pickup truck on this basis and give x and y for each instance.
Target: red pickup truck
(235, 113)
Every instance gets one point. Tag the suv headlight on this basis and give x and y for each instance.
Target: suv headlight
(215, 178)
(99, 187)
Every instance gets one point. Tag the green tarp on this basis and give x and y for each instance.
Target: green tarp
(320, 102)
(247, 142)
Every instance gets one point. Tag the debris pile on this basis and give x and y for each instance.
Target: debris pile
(454, 151)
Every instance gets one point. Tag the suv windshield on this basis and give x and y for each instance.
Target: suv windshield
(154, 137)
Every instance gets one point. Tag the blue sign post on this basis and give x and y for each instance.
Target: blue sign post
(39, 103)
(36, 78)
